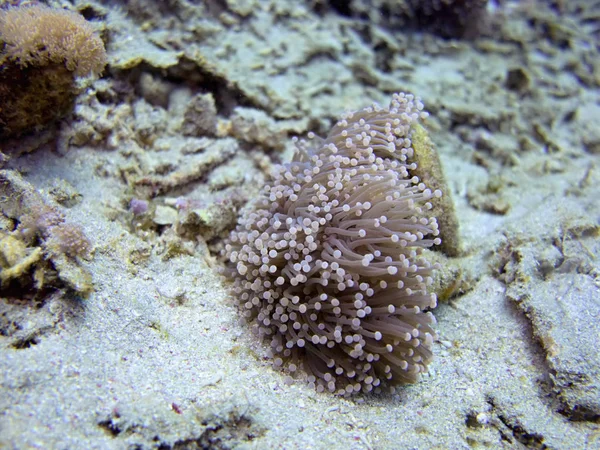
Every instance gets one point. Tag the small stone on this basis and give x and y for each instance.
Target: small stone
(483, 418)
(165, 215)
(446, 344)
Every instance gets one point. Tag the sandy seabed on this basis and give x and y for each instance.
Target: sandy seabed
(197, 104)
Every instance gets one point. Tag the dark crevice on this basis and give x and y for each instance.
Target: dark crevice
(529, 440)
(579, 413)
(511, 430)
(110, 427)
(91, 13)
(217, 435)
(550, 392)
(186, 73)
(342, 7)
(383, 56)
(27, 342)
(227, 95)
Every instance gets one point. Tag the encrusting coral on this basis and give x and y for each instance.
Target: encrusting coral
(42, 51)
(327, 266)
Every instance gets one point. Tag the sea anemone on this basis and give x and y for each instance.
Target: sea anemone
(327, 264)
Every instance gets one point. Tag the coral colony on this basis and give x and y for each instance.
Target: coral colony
(327, 266)
(43, 50)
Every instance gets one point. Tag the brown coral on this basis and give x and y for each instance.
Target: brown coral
(43, 50)
(39, 36)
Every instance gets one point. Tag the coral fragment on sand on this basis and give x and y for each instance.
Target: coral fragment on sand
(43, 248)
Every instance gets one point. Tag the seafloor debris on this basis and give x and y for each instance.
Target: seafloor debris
(38, 248)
